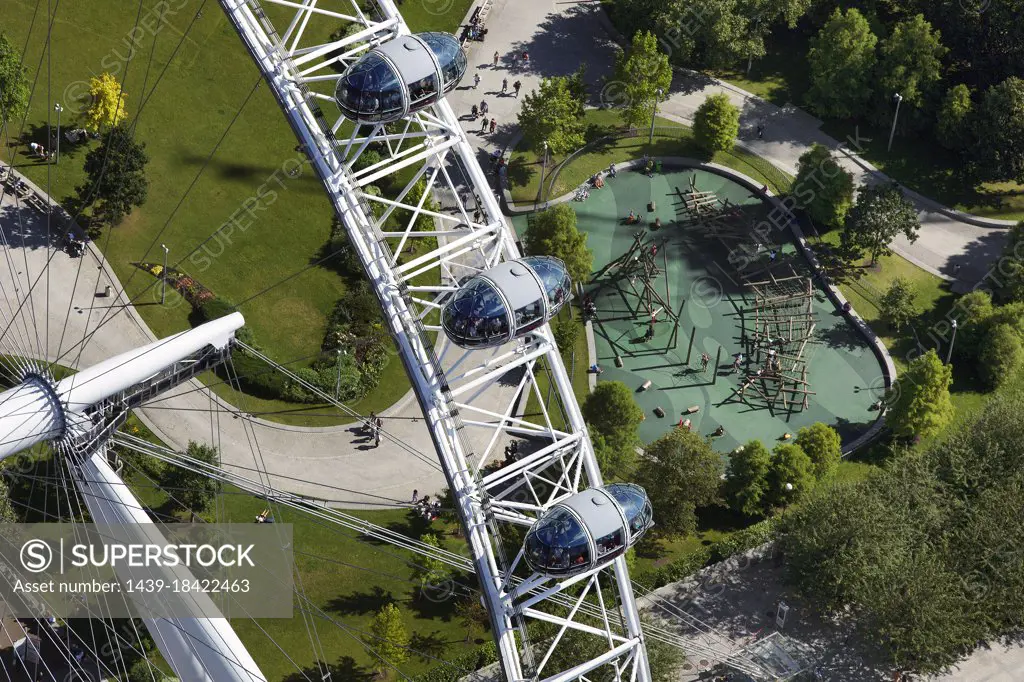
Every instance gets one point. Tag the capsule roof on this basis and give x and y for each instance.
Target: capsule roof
(400, 76)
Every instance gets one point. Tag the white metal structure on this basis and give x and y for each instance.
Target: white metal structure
(455, 393)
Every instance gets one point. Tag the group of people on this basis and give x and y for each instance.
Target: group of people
(428, 511)
(374, 425)
(39, 150)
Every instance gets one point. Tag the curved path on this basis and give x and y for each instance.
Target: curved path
(559, 36)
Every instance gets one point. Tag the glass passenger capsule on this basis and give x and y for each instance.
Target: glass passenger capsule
(400, 76)
(588, 529)
(507, 301)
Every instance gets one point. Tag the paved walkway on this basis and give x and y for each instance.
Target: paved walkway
(559, 36)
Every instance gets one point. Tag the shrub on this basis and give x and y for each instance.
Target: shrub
(1001, 356)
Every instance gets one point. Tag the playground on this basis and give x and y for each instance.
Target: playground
(716, 326)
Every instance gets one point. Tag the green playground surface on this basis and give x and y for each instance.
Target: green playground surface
(717, 309)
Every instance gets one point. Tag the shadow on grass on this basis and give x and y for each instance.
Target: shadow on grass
(359, 603)
(345, 670)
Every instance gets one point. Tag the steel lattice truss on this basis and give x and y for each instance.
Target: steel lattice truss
(469, 398)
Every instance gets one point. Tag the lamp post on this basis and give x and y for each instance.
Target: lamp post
(58, 108)
(543, 167)
(163, 277)
(654, 115)
(899, 98)
(949, 353)
(337, 382)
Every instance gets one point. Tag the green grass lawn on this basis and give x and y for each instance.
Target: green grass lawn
(671, 139)
(186, 112)
(346, 577)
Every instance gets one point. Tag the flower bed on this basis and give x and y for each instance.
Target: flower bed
(190, 289)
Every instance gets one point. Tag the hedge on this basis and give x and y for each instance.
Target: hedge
(460, 666)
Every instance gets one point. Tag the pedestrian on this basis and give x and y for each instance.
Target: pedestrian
(771, 255)
(474, 111)
(370, 421)
(611, 169)
(494, 124)
(476, 80)
(415, 495)
(483, 107)
(704, 360)
(526, 58)
(504, 85)
(496, 57)
(517, 85)
(515, 59)
(760, 131)
(483, 127)
(736, 363)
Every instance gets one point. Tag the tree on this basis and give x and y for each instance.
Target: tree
(910, 64)
(822, 444)
(14, 87)
(432, 574)
(716, 124)
(680, 472)
(107, 108)
(144, 671)
(880, 214)
(612, 411)
(1011, 266)
(193, 490)
(116, 176)
(790, 467)
(641, 72)
(389, 639)
(472, 614)
(404, 215)
(7, 514)
(566, 332)
(553, 114)
(842, 62)
(999, 132)
(553, 232)
(953, 123)
(822, 187)
(616, 455)
(1001, 356)
(746, 479)
(922, 406)
(897, 304)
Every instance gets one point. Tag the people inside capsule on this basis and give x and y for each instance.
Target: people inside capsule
(588, 529)
(400, 76)
(507, 301)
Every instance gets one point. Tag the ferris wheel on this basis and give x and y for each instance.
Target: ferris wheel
(475, 345)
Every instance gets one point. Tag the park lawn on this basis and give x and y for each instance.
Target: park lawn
(781, 76)
(578, 374)
(346, 577)
(671, 139)
(262, 261)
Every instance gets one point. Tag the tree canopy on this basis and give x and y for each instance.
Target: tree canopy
(389, 638)
(897, 304)
(791, 475)
(553, 232)
(822, 444)
(193, 491)
(107, 107)
(842, 62)
(925, 555)
(999, 132)
(880, 214)
(680, 472)
(611, 411)
(716, 123)
(746, 479)
(641, 72)
(116, 176)
(433, 574)
(922, 406)
(1001, 355)
(553, 114)
(14, 85)
(822, 187)
(911, 65)
(953, 123)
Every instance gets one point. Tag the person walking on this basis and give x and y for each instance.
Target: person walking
(515, 59)
(494, 124)
(504, 85)
(704, 360)
(415, 496)
(483, 126)
(483, 107)
(496, 57)
(476, 80)
(516, 86)
(378, 424)
(475, 112)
